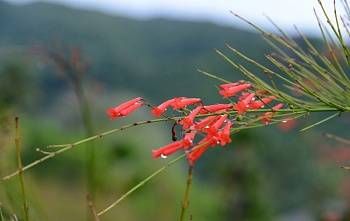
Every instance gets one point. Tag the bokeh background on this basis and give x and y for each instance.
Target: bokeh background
(62, 63)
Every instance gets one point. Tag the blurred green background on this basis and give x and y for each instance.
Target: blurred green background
(272, 173)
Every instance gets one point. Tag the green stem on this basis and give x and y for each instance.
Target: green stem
(85, 114)
(320, 122)
(65, 147)
(144, 181)
(92, 208)
(186, 201)
(20, 169)
(140, 184)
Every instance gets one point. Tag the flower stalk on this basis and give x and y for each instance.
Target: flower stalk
(20, 170)
(140, 184)
(186, 200)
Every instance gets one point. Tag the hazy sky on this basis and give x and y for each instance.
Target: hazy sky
(284, 12)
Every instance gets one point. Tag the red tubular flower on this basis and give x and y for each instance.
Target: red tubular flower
(187, 122)
(229, 91)
(262, 102)
(243, 96)
(187, 141)
(194, 155)
(205, 122)
(213, 128)
(198, 150)
(228, 85)
(182, 102)
(160, 109)
(215, 108)
(243, 104)
(168, 149)
(125, 108)
(131, 108)
(224, 134)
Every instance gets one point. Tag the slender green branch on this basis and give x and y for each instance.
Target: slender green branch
(186, 201)
(319, 122)
(92, 208)
(140, 184)
(66, 147)
(20, 170)
(337, 34)
(213, 76)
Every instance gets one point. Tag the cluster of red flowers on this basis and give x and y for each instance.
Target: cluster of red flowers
(215, 129)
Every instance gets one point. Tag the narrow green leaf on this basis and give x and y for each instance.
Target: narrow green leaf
(320, 122)
(213, 76)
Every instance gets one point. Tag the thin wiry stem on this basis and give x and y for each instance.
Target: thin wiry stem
(66, 147)
(20, 171)
(140, 184)
(186, 201)
(319, 122)
(147, 179)
(14, 217)
(92, 208)
(335, 31)
(213, 76)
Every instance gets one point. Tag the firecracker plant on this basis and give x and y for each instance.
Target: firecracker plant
(303, 80)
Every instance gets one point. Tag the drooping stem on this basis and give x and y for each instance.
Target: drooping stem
(20, 169)
(186, 201)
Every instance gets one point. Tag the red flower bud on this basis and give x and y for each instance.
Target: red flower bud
(167, 149)
(229, 91)
(183, 102)
(125, 108)
(215, 108)
(160, 109)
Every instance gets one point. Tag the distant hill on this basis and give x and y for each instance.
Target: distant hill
(143, 56)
